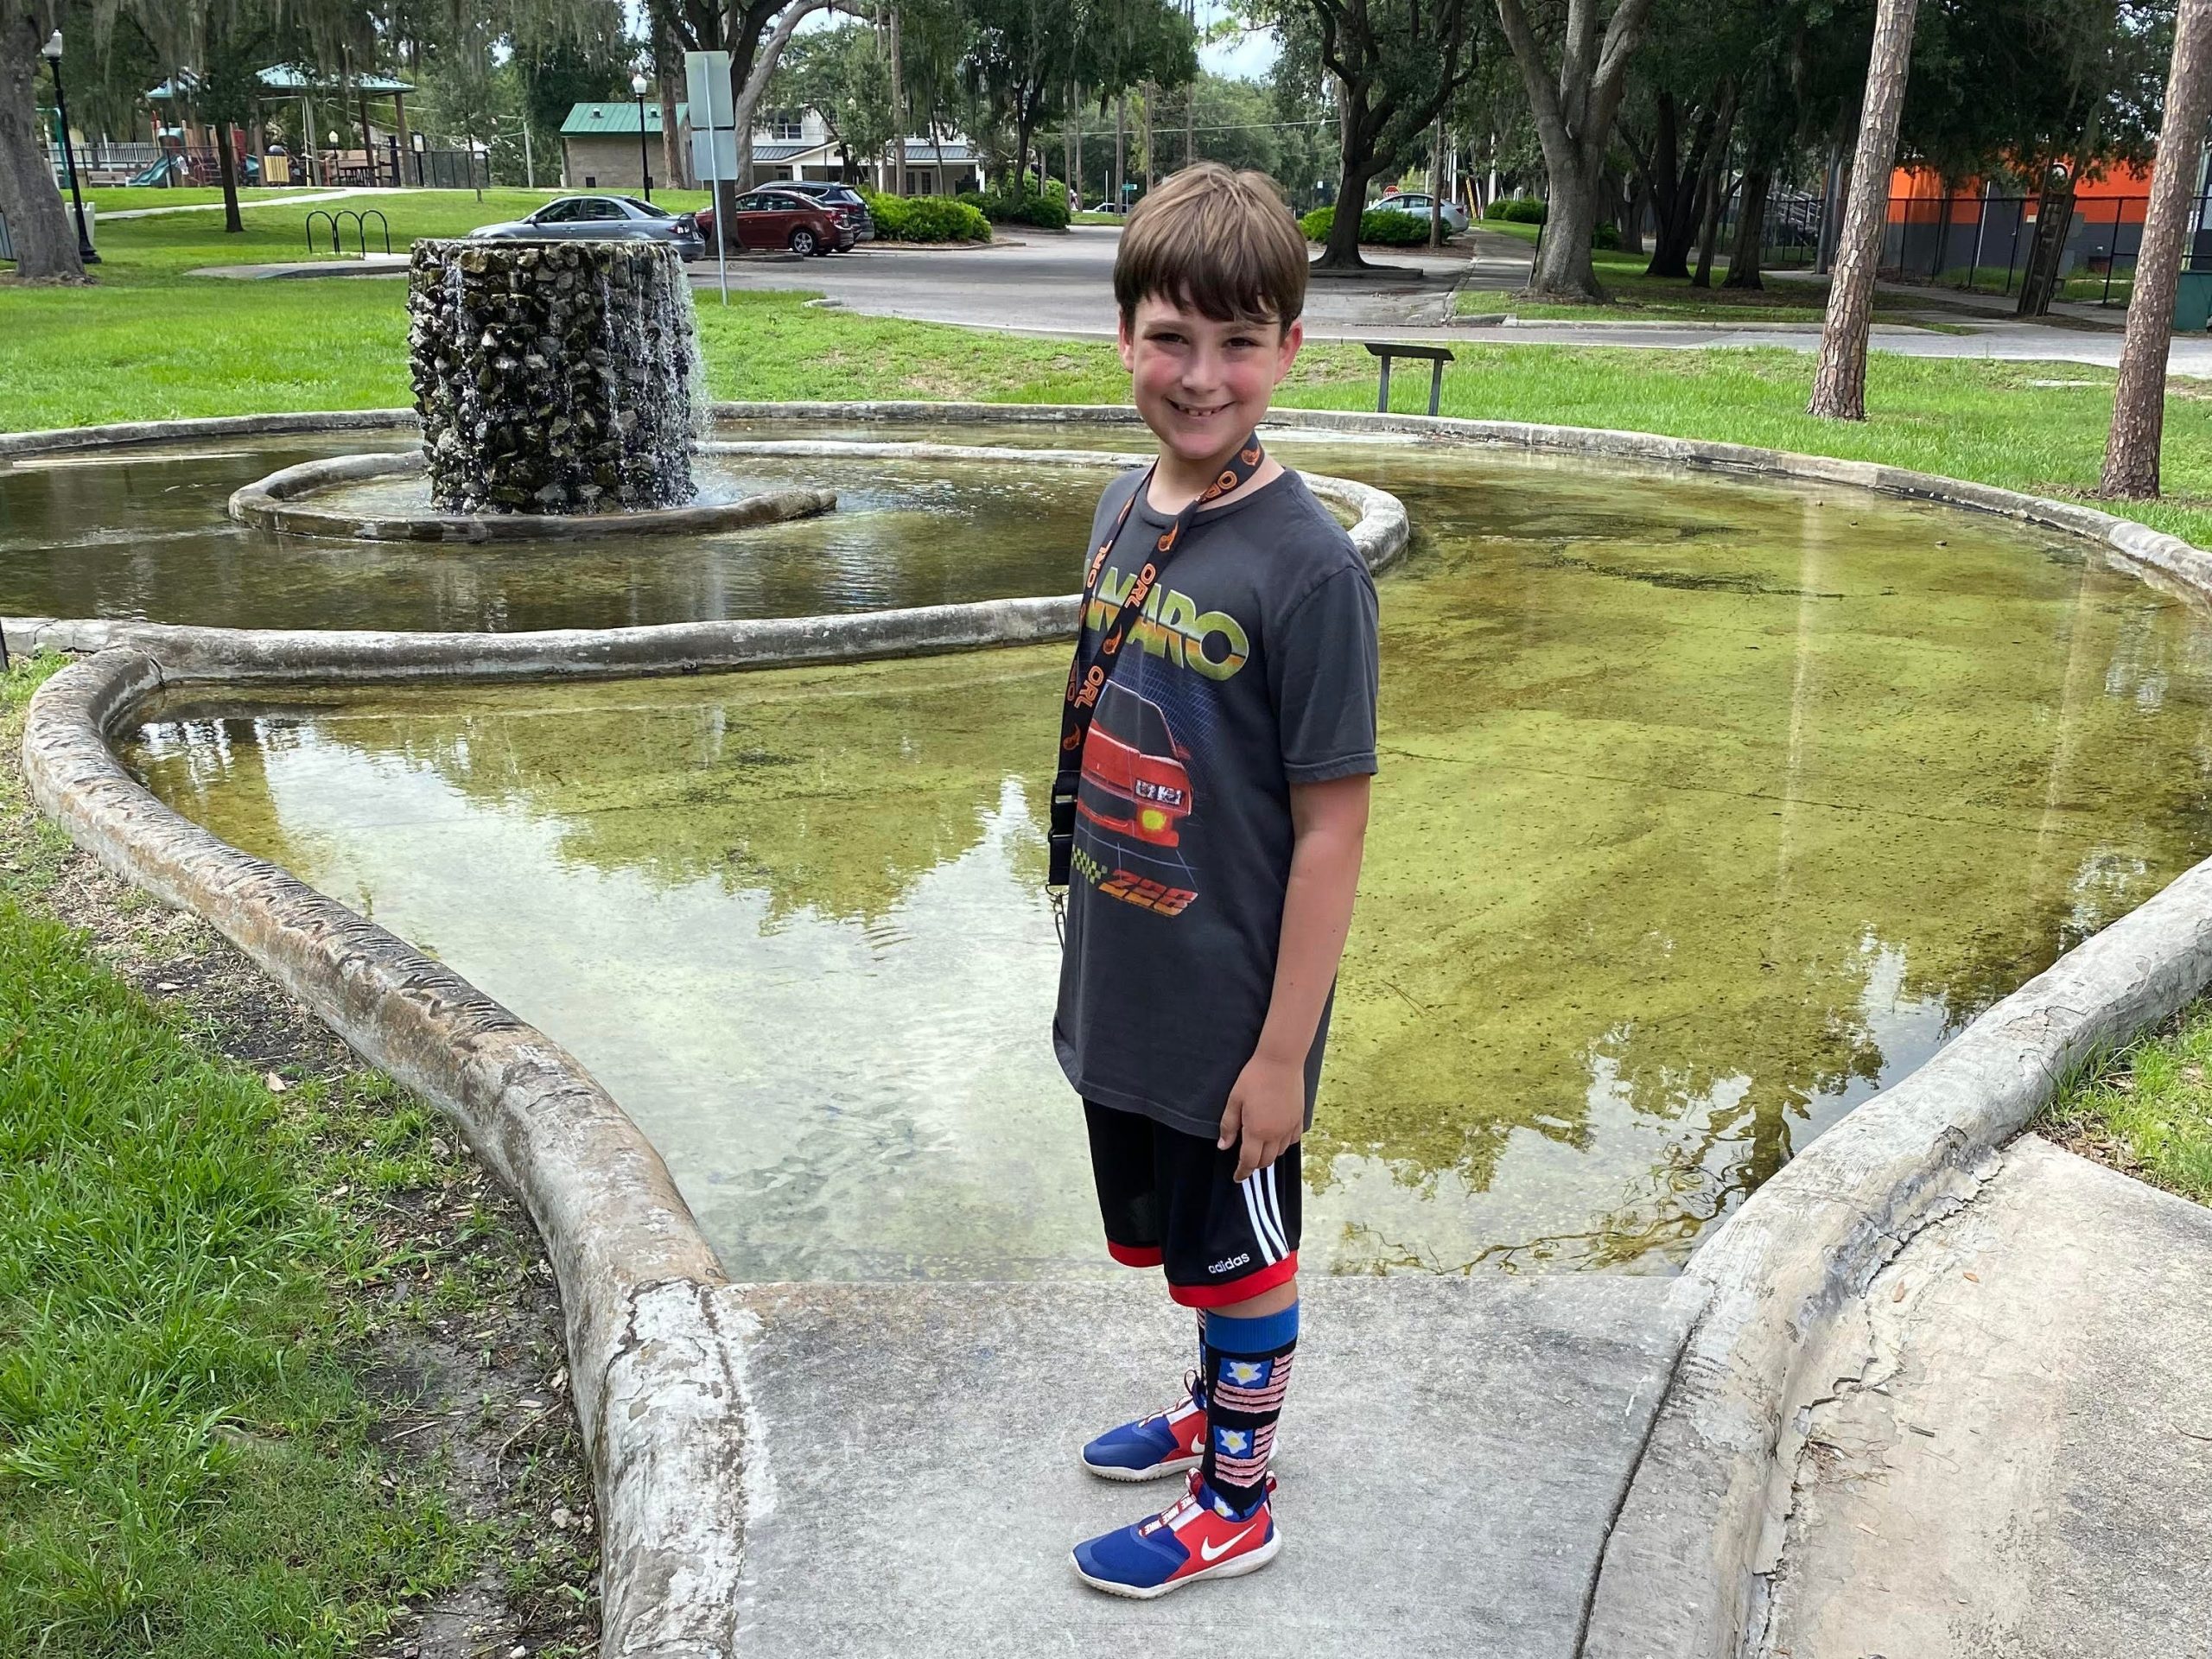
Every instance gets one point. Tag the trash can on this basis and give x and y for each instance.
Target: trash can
(2193, 302)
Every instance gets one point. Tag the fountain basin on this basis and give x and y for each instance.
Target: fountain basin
(283, 502)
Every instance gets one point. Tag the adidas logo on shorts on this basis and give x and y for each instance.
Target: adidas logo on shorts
(1233, 1261)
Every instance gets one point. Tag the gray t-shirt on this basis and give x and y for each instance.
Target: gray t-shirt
(1255, 669)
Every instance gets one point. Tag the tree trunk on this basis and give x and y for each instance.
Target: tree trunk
(1713, 188)
(675, 160)
(1574, 106)
(44, 232)
(1839, 382)
(1341, 251)
(900, 119)
(1436, 188)
(1676, 181)
(1751, 231)
(1632, 220)
(2139, 401)
(226, 169)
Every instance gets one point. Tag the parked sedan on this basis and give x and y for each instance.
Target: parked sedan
(779, 217)
(844, 202)
(1416, 203)
(604, 218)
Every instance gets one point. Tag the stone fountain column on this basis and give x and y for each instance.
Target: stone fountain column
(553, 377)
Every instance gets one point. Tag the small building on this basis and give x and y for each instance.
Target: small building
(601, 150)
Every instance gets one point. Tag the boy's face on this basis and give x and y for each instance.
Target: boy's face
(1201, 385)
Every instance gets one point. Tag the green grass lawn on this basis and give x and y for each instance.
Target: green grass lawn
(186, 1468)
(2150, 1111)
(149, 341)
(1671, 299)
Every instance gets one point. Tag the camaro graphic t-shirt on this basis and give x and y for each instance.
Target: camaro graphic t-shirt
(1252, 668)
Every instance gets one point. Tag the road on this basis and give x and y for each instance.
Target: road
(1040, 282)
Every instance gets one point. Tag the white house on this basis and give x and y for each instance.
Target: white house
(600, 150)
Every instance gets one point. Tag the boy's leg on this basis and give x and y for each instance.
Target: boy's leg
(1230, 1250)
(1169, 1441)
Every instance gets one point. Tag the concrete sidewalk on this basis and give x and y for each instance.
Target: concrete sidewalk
(2024, 1467)
(1452, 1455)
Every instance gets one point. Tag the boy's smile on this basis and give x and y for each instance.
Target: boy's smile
(1201, 384)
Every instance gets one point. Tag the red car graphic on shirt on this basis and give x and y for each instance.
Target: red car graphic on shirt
(1133, 781)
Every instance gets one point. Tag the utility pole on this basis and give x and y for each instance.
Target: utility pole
(1121, 163)
(1151, 171)
(1191, 94)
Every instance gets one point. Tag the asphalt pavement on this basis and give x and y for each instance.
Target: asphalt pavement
(1045, 282)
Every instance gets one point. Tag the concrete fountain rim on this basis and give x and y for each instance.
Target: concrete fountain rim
(283, 502)
(658, 1340)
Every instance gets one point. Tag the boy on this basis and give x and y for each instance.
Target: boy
(1222, 711)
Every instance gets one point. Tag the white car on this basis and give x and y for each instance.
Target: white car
(1416, 203)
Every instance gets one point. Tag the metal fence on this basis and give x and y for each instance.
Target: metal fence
(1980, 244)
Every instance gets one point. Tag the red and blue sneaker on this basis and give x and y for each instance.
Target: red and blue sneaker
(1166, 1443)
(1197, 1536)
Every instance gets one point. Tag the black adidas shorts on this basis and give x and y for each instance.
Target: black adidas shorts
(1171, 1200)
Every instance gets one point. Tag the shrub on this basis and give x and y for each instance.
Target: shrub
(1391, 230)
(1047, 210)
(925, 219)
(1606, 236)
(1516, 210)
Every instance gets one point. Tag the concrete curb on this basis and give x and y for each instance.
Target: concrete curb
(272, 503)
(1679, 1572)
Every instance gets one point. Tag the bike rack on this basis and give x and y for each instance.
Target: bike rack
(361, 228)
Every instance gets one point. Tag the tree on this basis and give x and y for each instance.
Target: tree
(1394, 68)
(1574, 104)
(844, 74)
(2139, 401)
(45, 236)
(1839, 382)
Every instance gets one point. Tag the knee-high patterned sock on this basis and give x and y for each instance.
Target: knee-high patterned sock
(1247, 1369)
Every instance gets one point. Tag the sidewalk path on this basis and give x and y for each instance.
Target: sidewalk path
(243, 201)
(2026, 1467)
(1452, 1456)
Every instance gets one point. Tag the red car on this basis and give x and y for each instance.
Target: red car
(1134, 782)
(768, 219)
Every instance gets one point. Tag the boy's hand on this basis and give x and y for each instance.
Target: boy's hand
(1266, 1109)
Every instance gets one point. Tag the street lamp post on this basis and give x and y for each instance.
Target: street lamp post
(644, 163)
(52, 52)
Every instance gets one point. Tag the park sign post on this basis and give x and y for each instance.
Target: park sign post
(714, 139)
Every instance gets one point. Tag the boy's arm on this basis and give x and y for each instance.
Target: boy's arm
(1266, 1106)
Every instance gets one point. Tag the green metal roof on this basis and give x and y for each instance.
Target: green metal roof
(586, 119)
(284, 78)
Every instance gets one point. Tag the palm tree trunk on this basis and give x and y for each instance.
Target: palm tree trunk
(2139, 401)
(1839, 382)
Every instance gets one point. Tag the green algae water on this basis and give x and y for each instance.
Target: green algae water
(1706, 808)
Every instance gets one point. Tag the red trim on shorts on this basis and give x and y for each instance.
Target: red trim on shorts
(1134, 1255)
(1236, 1290)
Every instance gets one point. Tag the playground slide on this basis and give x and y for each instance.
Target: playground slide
(159, 172)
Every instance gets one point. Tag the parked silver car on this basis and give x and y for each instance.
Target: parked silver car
(1416, 203)
(606, 219)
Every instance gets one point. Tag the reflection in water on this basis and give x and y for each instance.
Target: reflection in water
(1706, 808)
(142, 534)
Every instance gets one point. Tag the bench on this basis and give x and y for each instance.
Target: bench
(1436, 357)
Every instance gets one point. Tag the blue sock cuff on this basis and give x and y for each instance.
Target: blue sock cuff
(1262, 1335)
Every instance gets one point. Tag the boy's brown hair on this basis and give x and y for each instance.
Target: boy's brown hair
(1221, 243)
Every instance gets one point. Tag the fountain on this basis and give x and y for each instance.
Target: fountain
(559, 387)
(552, 376)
